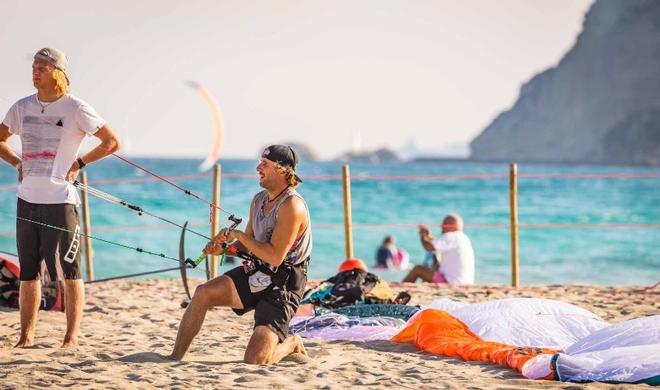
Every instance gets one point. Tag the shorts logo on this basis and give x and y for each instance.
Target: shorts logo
(70, 255)
(259, 282)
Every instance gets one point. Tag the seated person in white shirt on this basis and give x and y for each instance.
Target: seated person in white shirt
(453, 251)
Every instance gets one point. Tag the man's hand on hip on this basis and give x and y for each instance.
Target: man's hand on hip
(73, 172)
(19, 168)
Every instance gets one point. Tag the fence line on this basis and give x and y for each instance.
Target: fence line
(483, 176)
(348, 225)
(107, 228)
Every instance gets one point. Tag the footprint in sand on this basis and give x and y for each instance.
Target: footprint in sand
(138, 378)
(96, 309)
(145, 357)
(64, 353)
(40, 383)
(39, 346)
(82, 364)
(62, 372)
(247, 378)
(93, 370)
(23, 361)
(262, 371)
(297, 357)
(317, 353)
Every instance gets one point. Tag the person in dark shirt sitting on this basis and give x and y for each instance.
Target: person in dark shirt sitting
(386, 253)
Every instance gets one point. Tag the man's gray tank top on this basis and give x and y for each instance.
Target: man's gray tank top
(263, 225)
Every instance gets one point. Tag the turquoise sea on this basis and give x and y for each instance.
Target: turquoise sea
(578, 227)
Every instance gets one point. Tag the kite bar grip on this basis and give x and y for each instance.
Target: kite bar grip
(236, 221)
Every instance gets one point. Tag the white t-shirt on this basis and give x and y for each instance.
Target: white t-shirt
(51, 140)
(456, 256)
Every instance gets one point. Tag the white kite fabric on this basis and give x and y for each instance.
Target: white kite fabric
(594, 350)
(532, 322)
(333, 326)
(625, 352)
(590, 349)
(216, 120)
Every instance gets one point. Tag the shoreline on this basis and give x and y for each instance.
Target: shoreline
(130, 325)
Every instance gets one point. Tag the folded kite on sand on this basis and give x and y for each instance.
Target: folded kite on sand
(541, 338)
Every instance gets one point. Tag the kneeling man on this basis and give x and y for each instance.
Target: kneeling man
(278, 237)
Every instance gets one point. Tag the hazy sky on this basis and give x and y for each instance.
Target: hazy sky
(315, 72)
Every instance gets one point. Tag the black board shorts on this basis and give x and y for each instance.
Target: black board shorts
(58, 249)
(273, 307)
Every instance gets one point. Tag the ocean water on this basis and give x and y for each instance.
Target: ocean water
(590, 245)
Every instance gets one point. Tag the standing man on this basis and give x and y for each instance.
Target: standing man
(278, 234)
(51, 124)
(453, 251)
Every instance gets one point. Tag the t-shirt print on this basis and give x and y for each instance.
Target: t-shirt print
(41, 136)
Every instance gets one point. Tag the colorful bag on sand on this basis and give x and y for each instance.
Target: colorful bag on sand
(52, 292)
(349, 288)
(9, 283)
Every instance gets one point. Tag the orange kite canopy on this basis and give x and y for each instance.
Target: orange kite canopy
(439, 333)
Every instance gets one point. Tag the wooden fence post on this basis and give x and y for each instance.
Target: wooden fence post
(87, 230)
(215, 224)
(348, 228)
(513, 199)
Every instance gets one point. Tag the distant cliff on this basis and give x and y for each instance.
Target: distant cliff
(375, 157)
(600, 104)
(304, 152)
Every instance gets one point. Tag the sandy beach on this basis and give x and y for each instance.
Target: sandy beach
(129, 326)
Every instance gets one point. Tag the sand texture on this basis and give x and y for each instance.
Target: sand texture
(130, 326)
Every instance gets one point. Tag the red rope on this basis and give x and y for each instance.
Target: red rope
(503, 225)
(168, 179)
(149, 179)
(165, 180)
(591, 175)
(184, 190)
(407, 225)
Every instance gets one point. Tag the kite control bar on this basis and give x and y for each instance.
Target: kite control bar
(235, 222)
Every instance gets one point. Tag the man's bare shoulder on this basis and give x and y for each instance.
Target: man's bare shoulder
(294, 205)
(255, 197)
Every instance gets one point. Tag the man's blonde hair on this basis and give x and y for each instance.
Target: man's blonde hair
(61, 82)
(291, 179)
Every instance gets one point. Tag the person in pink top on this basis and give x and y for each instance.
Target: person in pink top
(453, 251)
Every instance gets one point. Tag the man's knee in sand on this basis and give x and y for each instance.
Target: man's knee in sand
(265, 347)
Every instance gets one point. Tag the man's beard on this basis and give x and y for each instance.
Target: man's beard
(263, 183)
